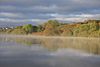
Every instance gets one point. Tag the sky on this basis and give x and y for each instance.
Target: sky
(18, 12)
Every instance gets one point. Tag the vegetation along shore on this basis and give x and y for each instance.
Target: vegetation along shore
(88, 28)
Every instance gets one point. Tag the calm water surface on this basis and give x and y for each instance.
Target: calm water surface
(49, 52)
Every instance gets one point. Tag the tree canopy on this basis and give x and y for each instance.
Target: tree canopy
(28, 28)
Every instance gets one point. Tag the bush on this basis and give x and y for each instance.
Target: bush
(18, 31)
(28, 28)
(95, 34)
(67, 33)
(50, 32)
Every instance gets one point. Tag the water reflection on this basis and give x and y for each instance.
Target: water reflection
(49, 52)
(53, 44)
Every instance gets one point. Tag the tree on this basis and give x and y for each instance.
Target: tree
(66, 30)
(28, 28)
(51, 24)
(95, 34)
(40, 28)
(35, 28)
(81, 30)
(50, 28)
(19, 27)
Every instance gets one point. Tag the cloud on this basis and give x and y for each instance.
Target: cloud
(16, 15)
(75, 18)
(61, 6)
(41, 10)
(72, 19)
(59, 17)
(7, 7)
(51, 6)
(26, 21)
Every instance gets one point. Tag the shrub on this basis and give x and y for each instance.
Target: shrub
(18, 31)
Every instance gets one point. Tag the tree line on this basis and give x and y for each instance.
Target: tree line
(88, 28)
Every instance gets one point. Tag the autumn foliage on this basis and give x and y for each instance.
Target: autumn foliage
(88, 28)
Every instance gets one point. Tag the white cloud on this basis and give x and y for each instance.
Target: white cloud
(75, 18)
(41, 7)
(84, 15)
(56, 16)
(22, 20)
(87, 15)
(16, 15)
(70, 19)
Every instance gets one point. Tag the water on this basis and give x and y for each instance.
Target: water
(18, 51)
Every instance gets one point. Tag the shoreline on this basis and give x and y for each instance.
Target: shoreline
(41, 36)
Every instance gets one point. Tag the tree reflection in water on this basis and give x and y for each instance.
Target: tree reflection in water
(53, 44)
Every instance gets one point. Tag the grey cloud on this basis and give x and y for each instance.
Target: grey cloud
(11, 15)
(18, 21)
(61, 6)
(62, 10)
